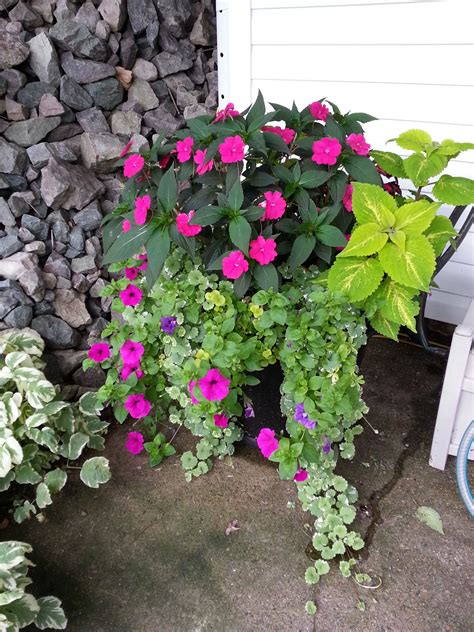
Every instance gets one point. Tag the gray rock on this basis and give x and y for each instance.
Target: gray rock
(102, 30)
(88, 15)
(70, 306)
(15, 80)
(75, 37)
(80, 283)
(185, 98)
(31, 94)
(26, 133)
(128, 52)
(22, 13)
(68, 149)
(93, 378)
(37, 227)
(57, 265)
(19, 317)
(76, 239)
(68, 360)
(171, 63)
(9, 245)
(25, 235)
(141, 92)
(145, 70)
(114, 13)
(74, 95)
(93, 121)
(96, 289)
(141, 13)
(176, 14)
(44, 60)
(139, 142)
(42, 308)
(65, 10)
(68, 186)
(125, 123)
(32, 284)
(85, 71)
(3, 85)
(100, 152)
(61, 231)
(13, 51)
(64, 131)
(204, 31)
(50, 106)
(14, 183)
(93, 247)
(55, 332)
(197, 74)
(21, 202)
(83, 265)
(39, 154)
(198, 109)
(106, 94)
(89, 218)
(36, 248)
(179, 80)
(8, 301)
(15, 111)
(43, 8)
(6, 216)
(160, 89)
(162, 121)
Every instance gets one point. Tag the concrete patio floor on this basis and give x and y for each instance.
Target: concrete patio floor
(148, 552)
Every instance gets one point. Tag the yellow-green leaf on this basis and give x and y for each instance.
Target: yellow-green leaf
(397, 305)
(356, 277)
(414, 139)
(399, 239)
(420, 168)
(415, 217)
(389, 162)
(371, 203)
(414, 267)
(384, 326)
(454, 190)
(439, 232)
(365, 240)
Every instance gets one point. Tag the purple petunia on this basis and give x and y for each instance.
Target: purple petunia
(248, 410)
(168, 324)
(326, 445)
(302, 418)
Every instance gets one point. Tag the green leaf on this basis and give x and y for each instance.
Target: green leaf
(253, 213)
(257, 141)
(398, 305)
(77, 443)
(322, 567)
(330, 236)
(414, 267)
(241, 285)
(287, 468)
(449, 147)
(239, 233)
(313, 178)
(311, 575)
(199, 128)
(420, 168)
(399, 238)
(310, 607)
(415, 140)
(157, 247)
(355, 277)
(454, 190)
(262, 179)
(89, 404)
(365, 240)
(302, 248)
(389, 162)
(362, 169)
(273, 141)
(26, 475)
(55, 480)
(43, 497)
(415, 217)
(439, 233)
(207, 216)
(23, 611)
(282, 173)
(430, 517)
(95, 471)
(337, 186)
(266, 276)
(372, 204)
(168, 190)
(51, 615)
(362, 117)
(126, 245)
(257, 110)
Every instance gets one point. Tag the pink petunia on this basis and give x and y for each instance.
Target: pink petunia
(131, 295)
(128, 369)
(132, 165)
(99, 352)
(132, 352)
(232, 149)
(137, 406)
(358, 144)
(326, 151)
(142, 206)
(263, 250)
(184, 227)
(275, 205)
(347, 198)
(267, 442)
(131, 273)
(126, 149)
(202, 166)
(227, 112)
(143, 257)
(221, 421)
(191, 387)
(214, 386)
(347, 236)
(300, 476)
(135, 442)
(184, 148)
(286, 133)
(234, 265)
(319, 111)
(126, 225)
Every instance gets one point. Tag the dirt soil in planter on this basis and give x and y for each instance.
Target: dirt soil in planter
(148, 552)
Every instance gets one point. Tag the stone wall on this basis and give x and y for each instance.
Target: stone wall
(78, 80)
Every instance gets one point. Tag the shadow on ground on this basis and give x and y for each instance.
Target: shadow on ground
(148, 551)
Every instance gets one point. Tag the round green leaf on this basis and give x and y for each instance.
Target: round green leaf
(95, 471)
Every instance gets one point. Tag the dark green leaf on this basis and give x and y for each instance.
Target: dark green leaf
(323, 252)
(266, 276)
(362, 117)
(216, 264)
(206, 216)
(230, 127)
(257, 141)
(337, 186)
(273, 141)
(261, 179)
(203, 197)
(302, 248)
(199, 129)
(168, 190)
(126, 245)
(157, 248)
(362, 169)
(253, 213)
(242, 284)
(236, 196)
(330, 235)
(282, 173)
(257, 110)
(314, 178)
(287, 225)
(239, 232)
(333, 130)
(188, 244)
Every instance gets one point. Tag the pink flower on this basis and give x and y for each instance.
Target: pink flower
(300, 476)
(191, 386)
(275, 205)
(126, 225)
(184, 148)
(319, 111)
(132, 352)
(132, 165)
(99, 352)
(358, 144)
(126, 149)
(128, 369)
(131, 273)
(163, 163)
(143, 258)
(232, 149)
(200, 160)
(347, 198)
(183, 226)
(286, 133)
(221, 421)
(234, 265)
(347, 236)
(263, 250)
(142, 206)
(137, 406)
(131, 295)
(214, 386)
(267, 442)
(227, 112)
(134, 442)
(326, 151)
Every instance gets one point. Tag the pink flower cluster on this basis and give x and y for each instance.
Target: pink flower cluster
(184, 227)
(286, 133)
(99, 352)
(202, 166)
(319, 111)
(131, 353)
(275, 205)
(142, 206)
(263, 250)
(234, 265)
(184, 148)
(135, 442)
(326, 151)
(137, 406)
(232, 149)
(133, 165)
(358, 144)
(131, 296)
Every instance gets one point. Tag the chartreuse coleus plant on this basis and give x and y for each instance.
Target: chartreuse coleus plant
(18, 608)
(38, 429)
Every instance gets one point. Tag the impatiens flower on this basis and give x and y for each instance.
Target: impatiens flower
(286, 133)
(168, 324)
(142, 206)
(132, 165)
(326, 445)
(302, 418)
(184, 148)
(131, 295)
(184, 227)
(275, 205)
(248, 410)
(319, 111)
(263, 250)
(126, 225)
(126, 149)
(300, 476)
(267, 442)
(347, 198)
(232, 149)
(132, 352)
(358, 144)
(227, 112)
(221, 421)
(347, 236)
(234, 265)
(164, 162)
(191, 387)
(137, 406)
(131, 273)
(214, 386)
(144, 258)
(99, 352)
(202, 166)
(134, 442)
(326, 151)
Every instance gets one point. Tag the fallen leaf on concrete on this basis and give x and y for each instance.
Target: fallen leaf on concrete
(430, 517)
(232, 526)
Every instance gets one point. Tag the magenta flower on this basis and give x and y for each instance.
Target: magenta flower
(263, 250)
(132, 165)
(184, 148)
(326, 445)
(232, 149)
(131, 295)
(132, 352)
(286, 133)
(347, 236)
(202, 166)
(137, 406)
(131, 273)
(168, 324)
(275, 205)
(227, 112)
(319, 111)
(128, 369)
(326, 151)
(99, 352)
(126, 225)
(134, 442)
(214, 386)
(358, 144)
(191, 387)
(143, 258)
(221, 421)
(126, 149)
(300, 476)
(184, 227)
(267, 442)
(234, 265)
(142, 206)
(347, 198)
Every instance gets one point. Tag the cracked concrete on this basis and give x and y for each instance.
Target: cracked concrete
(148, 552)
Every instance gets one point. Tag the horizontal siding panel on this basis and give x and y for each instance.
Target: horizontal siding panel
(465, 252)
(448, 308)
(457, 278)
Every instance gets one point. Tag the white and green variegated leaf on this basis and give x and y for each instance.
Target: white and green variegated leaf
(371, 204)
(365, 240)
(24, 511)
(30, 341)
(43, 496)
(356, 277)
(40, 392)
(16, 359)
(89, 405)
(414, 267)
(12, 553)
(12, 595)
(55, 480)
(50, 615)
(95, 471)
(430, 517)
(397, 303)
(35, 420)
(54, 407)
(5, 460)
(6, 375)
(26, 475)
(415, 217)
(23, 611)
(439, 233)
(5, 481)
(44, 436)
(73, 449)
(28, 374)
(10, 407)
(15, 449)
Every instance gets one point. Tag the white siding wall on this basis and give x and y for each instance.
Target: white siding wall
(410, 63)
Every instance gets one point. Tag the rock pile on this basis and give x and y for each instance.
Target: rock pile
(78, 80)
